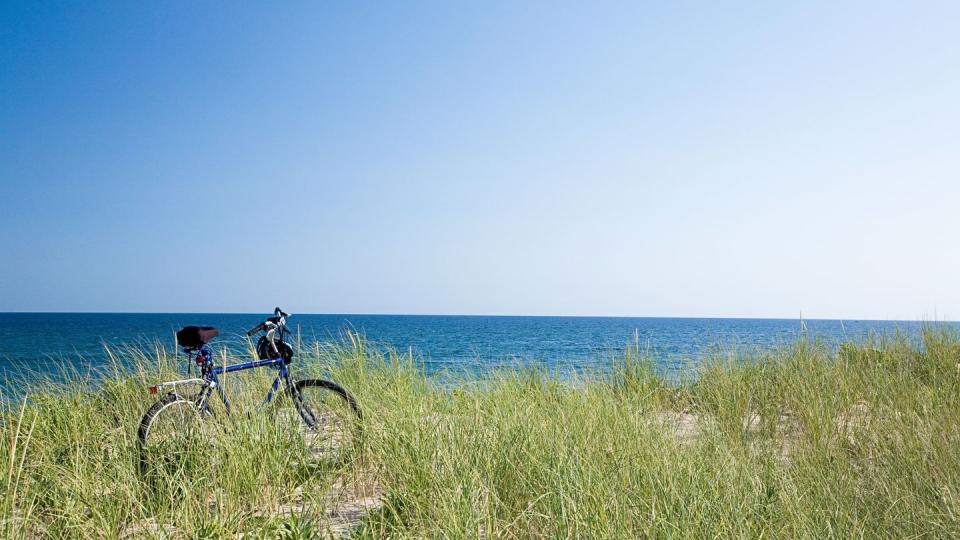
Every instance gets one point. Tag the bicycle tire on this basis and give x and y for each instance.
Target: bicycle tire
(329, 414)
(150, 418)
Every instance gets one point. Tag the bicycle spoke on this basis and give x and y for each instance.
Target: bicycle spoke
(173, 436)
(325, 421)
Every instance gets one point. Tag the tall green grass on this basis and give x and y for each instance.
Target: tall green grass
(796, 442)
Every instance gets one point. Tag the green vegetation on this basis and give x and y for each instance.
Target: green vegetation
(798, 442)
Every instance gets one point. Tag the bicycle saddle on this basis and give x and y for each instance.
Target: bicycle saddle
(191, 337)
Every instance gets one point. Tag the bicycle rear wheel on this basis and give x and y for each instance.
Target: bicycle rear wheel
(170, 433)
(329, 419)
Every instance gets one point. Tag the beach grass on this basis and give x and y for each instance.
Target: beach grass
(801, 441)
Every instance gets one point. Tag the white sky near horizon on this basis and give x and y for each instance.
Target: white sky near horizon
(604, 158)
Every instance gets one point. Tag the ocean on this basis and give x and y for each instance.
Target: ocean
(468, 345)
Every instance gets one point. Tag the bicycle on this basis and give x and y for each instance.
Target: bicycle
(329, 414)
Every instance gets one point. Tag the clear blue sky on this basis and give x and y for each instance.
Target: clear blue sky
(590, 158)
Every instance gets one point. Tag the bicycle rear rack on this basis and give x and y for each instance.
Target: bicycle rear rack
(202, 382)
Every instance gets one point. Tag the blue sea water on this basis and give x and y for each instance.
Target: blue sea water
(43, 342)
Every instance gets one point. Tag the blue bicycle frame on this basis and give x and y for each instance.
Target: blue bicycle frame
(210, 378)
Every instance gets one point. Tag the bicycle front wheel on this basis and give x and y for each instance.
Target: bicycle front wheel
(330, 418)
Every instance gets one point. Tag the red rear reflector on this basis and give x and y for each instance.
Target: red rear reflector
(153, 389)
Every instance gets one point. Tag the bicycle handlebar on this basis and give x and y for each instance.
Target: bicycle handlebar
(279, 318)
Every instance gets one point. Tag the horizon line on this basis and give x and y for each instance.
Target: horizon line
(798, 318)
